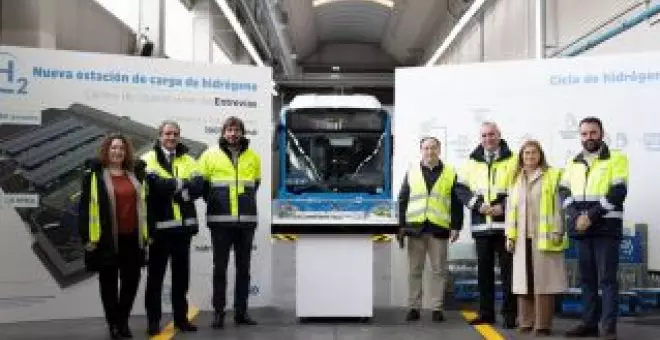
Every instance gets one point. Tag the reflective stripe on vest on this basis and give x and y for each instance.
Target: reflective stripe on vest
(175, 223)
(487, 226)
(476, 176)
(94, 211)
(546, 225)
(591, 184)
(144, 228)
(434, 206)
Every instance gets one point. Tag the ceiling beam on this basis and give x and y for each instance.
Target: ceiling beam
(376, 80)
(242, 36)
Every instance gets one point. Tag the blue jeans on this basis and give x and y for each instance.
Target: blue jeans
(599, 263)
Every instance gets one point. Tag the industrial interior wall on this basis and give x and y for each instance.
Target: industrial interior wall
(80, 25)
(507, 30)
(84, 25)
(572, 19)
(24, 24)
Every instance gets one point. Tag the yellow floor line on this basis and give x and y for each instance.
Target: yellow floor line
(168, 332)
(487, 331)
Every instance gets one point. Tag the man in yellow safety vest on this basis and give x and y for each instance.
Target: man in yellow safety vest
(430, 214)
(173, 182)
(232, 173)
(482, 187)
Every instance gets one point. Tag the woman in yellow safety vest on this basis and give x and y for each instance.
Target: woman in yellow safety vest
(113, 229)
(536, 237)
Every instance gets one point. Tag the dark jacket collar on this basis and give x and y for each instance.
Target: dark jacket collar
(439, 167)
(93, 164)
(180, 150)
(603, 154)
(479, 155)
(224, 145)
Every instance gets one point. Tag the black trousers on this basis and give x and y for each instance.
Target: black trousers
(598, 261)
(176, 248)
(118, 283)
(223, 240)
(488, 247)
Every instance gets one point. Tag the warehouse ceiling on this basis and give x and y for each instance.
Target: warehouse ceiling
(364, 35)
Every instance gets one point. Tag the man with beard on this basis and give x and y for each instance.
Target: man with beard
(593, 189)
(232, 172)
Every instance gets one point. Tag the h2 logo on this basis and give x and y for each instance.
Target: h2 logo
(10, 81)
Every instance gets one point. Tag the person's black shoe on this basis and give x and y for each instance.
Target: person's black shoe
(114, 332)
(582, 331)
(186, 327)
(509, 322)
(609, 335)
(125, 331)
(412, 315)
(543, 332)
(524, 329)
(482, 321)
(153, 328)
(437, 316)
(218, 320)
(244, 319)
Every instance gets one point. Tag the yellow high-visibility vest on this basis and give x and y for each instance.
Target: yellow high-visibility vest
(233, 188)
(546, 226)
(434, 206)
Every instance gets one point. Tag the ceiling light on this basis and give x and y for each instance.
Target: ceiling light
(455, 31)
(386, 3)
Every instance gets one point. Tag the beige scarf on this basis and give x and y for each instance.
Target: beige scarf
(107, 179)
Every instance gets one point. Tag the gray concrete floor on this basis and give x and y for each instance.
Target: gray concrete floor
(279, 321)
(277, 324)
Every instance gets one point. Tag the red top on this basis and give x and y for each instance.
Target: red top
(125, 201)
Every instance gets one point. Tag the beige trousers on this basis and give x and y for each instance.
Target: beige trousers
(536, 311)
(418, 248)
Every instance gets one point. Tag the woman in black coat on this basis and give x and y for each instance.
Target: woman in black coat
(113, 229)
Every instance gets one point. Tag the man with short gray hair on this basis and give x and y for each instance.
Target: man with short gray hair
(482, 187)
(173, 182)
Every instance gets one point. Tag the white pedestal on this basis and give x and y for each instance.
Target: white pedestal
(334, 276)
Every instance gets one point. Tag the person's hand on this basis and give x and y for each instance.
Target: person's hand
(556, 238)
(90, 246)
(497, 210)
(400, 238)
(485, 209)
(583, 223)
(510, 245)
(453, 235)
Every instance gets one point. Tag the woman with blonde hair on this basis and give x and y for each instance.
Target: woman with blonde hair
(112, 224)
(536, 237)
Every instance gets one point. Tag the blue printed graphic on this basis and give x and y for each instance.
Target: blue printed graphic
(11, 81)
